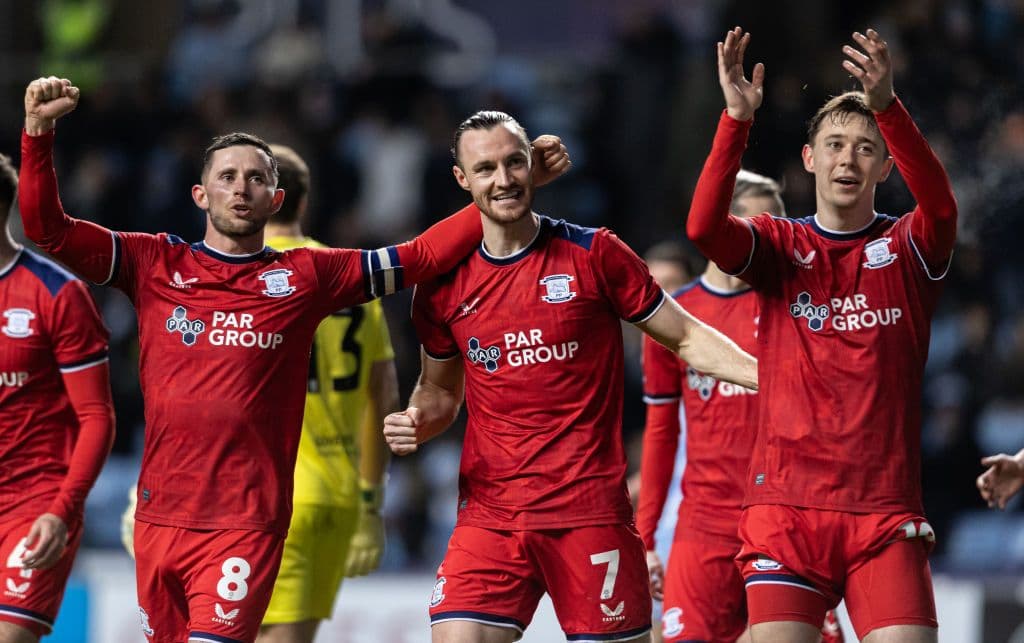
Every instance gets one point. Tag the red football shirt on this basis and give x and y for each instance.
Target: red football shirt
(721, 418)
(844, 329)
(48, 325)
(540, 337)
(225, 344)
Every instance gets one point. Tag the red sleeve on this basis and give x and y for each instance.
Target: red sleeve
(89, 392)
(723, 238)
(441, 247)
(80, 348)
(433, 333)
(661, 439)
(933, 222)
(624, 278)
(85, 247)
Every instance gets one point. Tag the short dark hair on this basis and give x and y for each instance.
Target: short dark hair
(293, 178)
(485, 120)
(755, 185)
(838, 109)
(238, 138)
(8, 186)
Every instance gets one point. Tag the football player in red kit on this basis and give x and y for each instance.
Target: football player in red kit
(703, 591)
(833, 505)
(529, 326)
(56, 425)
(225, 326)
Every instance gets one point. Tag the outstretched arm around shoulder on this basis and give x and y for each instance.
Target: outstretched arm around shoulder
(700, 345)
(433, 405)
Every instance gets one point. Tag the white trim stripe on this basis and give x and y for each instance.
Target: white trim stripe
(10, 612)
(82, 367)
(658, 401)
(113, 258)
(924, 264)
(780, 582)
(510, 626)
(664, 297)
(753, 249)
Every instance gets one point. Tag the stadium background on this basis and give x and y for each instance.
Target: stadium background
(369, 92)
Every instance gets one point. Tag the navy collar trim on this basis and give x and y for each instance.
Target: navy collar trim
(201, 246)
(516, 256)
(836, 235)
(718, 292)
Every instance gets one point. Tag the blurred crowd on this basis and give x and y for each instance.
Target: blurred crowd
(369, 93)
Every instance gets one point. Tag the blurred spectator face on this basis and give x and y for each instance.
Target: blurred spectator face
(749, 206)
(670, 275)
(848, 159)
(494, 166)
(238, 192)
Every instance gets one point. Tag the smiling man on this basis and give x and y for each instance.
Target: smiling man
(833, 496)
(225, 326)
(529, 327)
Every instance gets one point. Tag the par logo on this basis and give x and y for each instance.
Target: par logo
(703, 384)
(227, 616)
(614, 612)
(17, 590)
(190, 329)
(486, 355)
(804, 307)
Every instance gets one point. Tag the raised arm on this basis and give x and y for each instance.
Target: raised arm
(725, 239)
(86, 247)
(933, 226)
(700, 345)
(433, 405)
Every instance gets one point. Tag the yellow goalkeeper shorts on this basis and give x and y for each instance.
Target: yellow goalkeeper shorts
(313, 563)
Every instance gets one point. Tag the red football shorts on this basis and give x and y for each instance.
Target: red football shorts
(799, 562)
(31, 597)
(704, 593)
(204, 585)
(596, 577)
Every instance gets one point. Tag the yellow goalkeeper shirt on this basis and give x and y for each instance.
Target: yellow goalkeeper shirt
(345, 347)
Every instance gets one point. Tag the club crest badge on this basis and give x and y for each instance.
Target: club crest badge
(558, 290)
(277, 283)
(18, 322)
(878, 255)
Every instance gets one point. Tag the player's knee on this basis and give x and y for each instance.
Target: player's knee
(784, 632)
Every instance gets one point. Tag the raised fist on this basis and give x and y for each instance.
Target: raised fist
(46, 100)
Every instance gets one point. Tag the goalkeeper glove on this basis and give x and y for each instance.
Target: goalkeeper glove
(367, 544)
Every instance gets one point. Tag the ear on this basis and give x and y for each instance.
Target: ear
(807, 154)
(460, 177)
(199, 196)
(886, 169)
(275, 205)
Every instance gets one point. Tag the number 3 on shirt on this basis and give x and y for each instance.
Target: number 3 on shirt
(348, 345)
(232, 585)
(612, 559)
